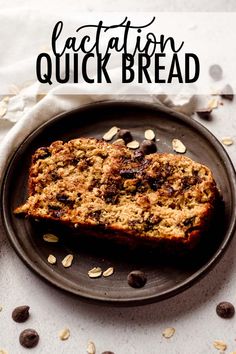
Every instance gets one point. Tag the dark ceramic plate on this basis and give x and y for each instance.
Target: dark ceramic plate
(165, 278)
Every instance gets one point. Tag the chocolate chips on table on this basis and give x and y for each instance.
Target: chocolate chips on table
(204, 113)
(227, 93)
(136, 279)
(29, 338)
(108, 352)
(20, 314)
(225, 309)
(216, 72)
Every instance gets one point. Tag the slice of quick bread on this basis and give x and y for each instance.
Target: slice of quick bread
(107, 190)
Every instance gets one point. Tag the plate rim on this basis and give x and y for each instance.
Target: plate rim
(182, 286)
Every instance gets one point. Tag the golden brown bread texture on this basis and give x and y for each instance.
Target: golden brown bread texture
(107, 190)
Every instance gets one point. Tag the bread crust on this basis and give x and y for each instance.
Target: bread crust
(109, 191)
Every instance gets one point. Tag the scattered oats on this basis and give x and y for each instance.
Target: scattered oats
(149, 134)
(67, 261)
(91, 349)
(168, 332)
(95, 272)
(1, 308)
(227, 141)
(119, 142)
(133, 144)
(178, 146)
(110, 134)
(64, 334)
(3, 351)
(213, 103)
(220, 345)
(50, 238)
(52, 259)
(108, 272)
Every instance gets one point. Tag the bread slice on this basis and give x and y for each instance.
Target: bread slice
(107, 190)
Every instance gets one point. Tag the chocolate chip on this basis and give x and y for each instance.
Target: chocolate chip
(215, 71)
(125, 135)
(64, 199)
(136, 279)
(189, 221)
(75, 161)
(108, 352)
(204, 113)
(149, 224)
(20, 313)
(57, 213)
(29, 338)
(138, 155)
(55, 176)
(225, 309)
(41, 154)
(227, 93)
(155, 183)
(110, 194)
(54, 207)
(148, 147)
(189, 181)
(130, 173)
(95, 214)
(170, 191)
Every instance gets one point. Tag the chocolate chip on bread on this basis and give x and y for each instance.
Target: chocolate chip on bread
(107, 190)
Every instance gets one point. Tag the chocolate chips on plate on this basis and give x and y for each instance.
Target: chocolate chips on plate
(125, 135)
(136, 279)
(148, 147)
(216, 72)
